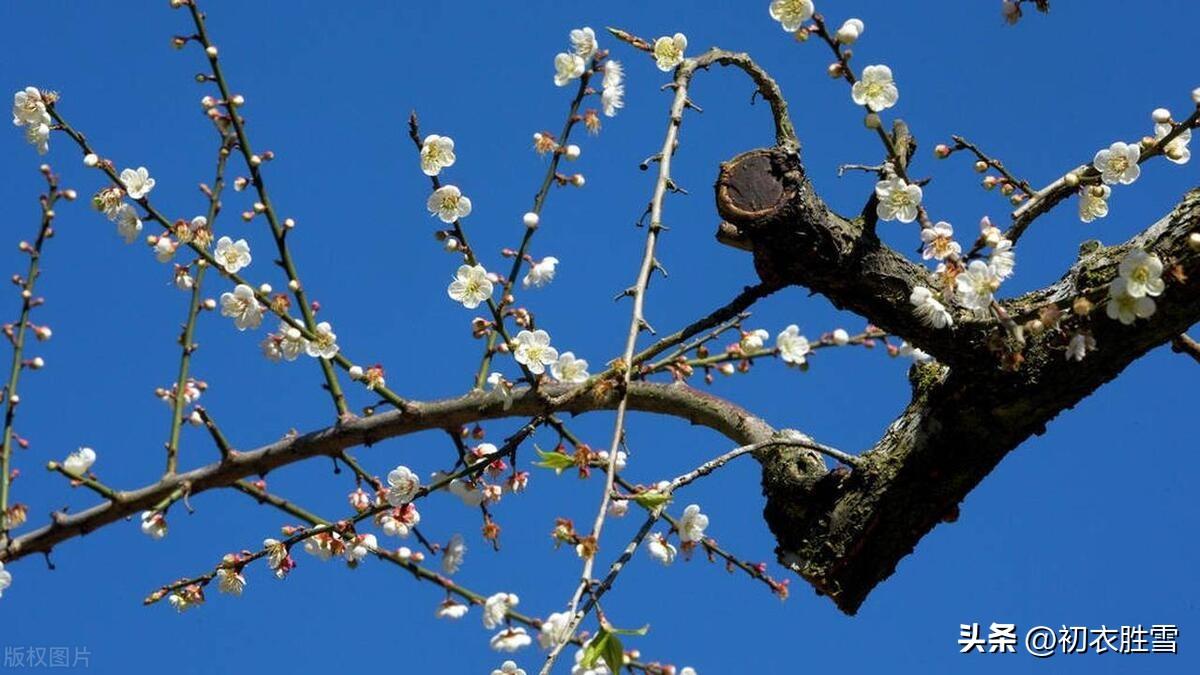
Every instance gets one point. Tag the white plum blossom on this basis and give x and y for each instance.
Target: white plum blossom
(754, 340)
(323, 344)
(568, 369)
(875, 89)
(791, 14)
(38, 135)
(850, 31)
(913, 353)
(450, 609)
(1142, 272)
(793, 347)
(1118, 163)
(660, 549)
(501, 388)
(541, 272)
(939, 242)
(583, 41)
(164, 249)
(154, 524)
(1177, 150)
(692, 524)
(975, 286)
(5, 579)
(278, 558)
(231, 581)
(242, 307)
(989, 233)
(360, 547)
(619, 465)
(399, 522)
(129, 225)
(1126, 308)
(1002, 259)
(437, 153)
(554, 629)
(291, 342)
(567, 67)
(471, 286)
(449, 204)
(533, 350)
(79, 462)
(1093, 202)
(617, 508)
(929, 309)
(612, 95)
(668, 51)
(508, 668)
(137, 182)
(403, 485)
(29, 108)
(496, 607)
(897, 200)
(1079, 346)
(232, 256)
(598, 668)
(510, 640)
(453, 554)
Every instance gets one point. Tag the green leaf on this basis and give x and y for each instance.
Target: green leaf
(606, 645)
(554, 460)
(652, 499)
(595, 649)
(630, 631)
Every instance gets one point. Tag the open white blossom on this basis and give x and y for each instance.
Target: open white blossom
(1177, 150)
(568, 369)
(541, 272)
(583, 41)
(929, 309)
(242, 307)
(508, 668)
(754, 340)
(668, 51)
(554, 629)
(1079, 346)
(437, 153)
(939, 242)
(791, 14)
(360, 547)
(496, 607)
(598, 668)
(137, 182)
(533, 350)
(164, 249)
(501, 388)
(230, 581)
(5, 579)
(403, 485)
(612, 95)
(875, 89)
(324, 343)
(453, 554)
(975, 286)
(1126, 308)
(692, 524)
(154, 524)
(897, 200)
(913, 353)
(1142, 272)
(1093, 202)
(400, 521)
(231, 255)
(510, 640)
(471, 286)
(1002, 259)
(129, 225)
(793, 347)
(989, 233)
(77, 463)
(38, 135)
(660, 549)
(449, 204)
(449, 609)
(567, 67)
(29, 108)
(291, 342)
(1118, 163)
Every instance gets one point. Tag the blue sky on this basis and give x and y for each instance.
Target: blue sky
(1091, 524)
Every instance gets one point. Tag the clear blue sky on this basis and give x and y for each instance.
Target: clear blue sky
(1093, 523)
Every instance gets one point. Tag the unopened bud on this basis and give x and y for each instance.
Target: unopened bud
(530, 219)
(1161, 116)
(572, 152)
(981, 166)
(1071, 179)
(1194, 241)
(211, 50)
(941, 151)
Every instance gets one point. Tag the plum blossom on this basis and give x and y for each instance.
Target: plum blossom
(399, 521)
(567, 67)
(437, 153)
(290, 341)
(154, 524)
(668, 51)
(975, 286)
(939, 242)
(496, 607)
(230, 579)
(449, 609)
(989, 233)
(29, 108)
(1177, 150)
(612, 94)
(1079, 346)
(164, 249)
(1002, 259)
(598, 668)
(129, 225)
(359, 547)
(913, 353)
(38, 135)
(569, 370)
(660, 549)
(541, 272)
(929, 309)
(1142, 272)
(323, 344)
(79, 462)
(242, 307)
(501, 388)
(897, 200)
(508, 668)
(1093, 202)
(754, 340)
(1118, 163)
(232, 256)
(841, 337)
(533, 350)
(449, 204)
(583, 41)
(137, 182)
(1126, 308)
(471, 286)
(554, 629)
(793, 347)
(692, 524)
(403, 485)
(791, 14)
(510, 640)
(453, 554)
(875, 89)
(278, 558)
(850, 31)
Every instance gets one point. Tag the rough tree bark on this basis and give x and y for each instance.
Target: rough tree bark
(846, 530)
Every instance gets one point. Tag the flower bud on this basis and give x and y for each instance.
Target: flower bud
(531, 220)
(90, 160)
(1161, 116)
(1194, 241)
(211, 50)
(942, 151)
(981, 166)
(835, 70)
(572, 152)
(1071, 179)
(578, 180)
